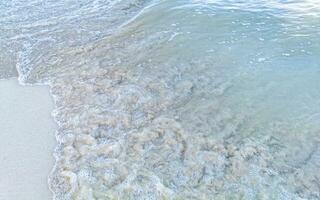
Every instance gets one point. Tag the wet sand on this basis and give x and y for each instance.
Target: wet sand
(27, 141)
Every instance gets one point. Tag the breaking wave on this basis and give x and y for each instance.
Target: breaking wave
(173, 99)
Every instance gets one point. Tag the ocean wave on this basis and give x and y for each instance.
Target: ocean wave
(159, 100)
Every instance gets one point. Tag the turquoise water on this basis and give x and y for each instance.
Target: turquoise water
(179, 99)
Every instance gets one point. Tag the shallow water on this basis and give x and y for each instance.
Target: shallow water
(184, 99)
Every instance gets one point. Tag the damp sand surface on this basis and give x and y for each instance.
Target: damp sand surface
(27, 141)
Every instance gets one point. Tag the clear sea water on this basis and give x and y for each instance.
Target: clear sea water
(174, 99)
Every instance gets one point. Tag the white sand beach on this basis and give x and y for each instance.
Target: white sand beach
(27, 141)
